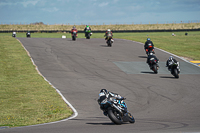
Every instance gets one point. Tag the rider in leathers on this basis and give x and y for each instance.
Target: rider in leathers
(152, 56)
(108, 33)
(147, 44)
(74, 29)
(103, 95)
(169, 64)
(87, 28)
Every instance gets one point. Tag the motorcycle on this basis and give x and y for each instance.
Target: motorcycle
(14, 34)
(28, 34)
(110, 41)
(74, 35)
(88, 33)
(150, 49)
(175, 70)
(117, 110)
(153, 65)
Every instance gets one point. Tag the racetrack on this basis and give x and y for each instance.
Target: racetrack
(79, 69)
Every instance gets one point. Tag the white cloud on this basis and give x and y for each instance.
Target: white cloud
(24, 3)
(103, 4)
(54, 9)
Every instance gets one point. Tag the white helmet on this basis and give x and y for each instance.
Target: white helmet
(108, 30)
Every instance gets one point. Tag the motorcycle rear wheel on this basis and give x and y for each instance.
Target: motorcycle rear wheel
(114, 117)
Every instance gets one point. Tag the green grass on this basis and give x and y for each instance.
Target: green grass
(25, 97)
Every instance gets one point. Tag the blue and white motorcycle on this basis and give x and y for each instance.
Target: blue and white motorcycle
(116, 109)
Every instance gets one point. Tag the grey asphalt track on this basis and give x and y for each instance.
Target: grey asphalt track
(79, 69)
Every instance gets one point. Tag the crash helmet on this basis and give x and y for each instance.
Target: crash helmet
(171, 58)
(103, 90)
(74, 27)
(148, 39)
(108, 30)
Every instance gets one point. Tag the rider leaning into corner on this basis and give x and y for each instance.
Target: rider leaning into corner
(74, 29)
(103, 95)
(169, 62)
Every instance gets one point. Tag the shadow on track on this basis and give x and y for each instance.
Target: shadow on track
(142, 56)
(104, 45)
(101, 123)
(167, 77)
(148, 72)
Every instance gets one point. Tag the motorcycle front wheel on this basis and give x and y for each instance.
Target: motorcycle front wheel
(176, 75)
(88, 37)
(131, 118)
(73, 38)
(155, 68)
(114, 117)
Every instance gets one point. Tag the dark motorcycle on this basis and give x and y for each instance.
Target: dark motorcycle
(117, 110)
(88, 33)
(28, 34)
(110, 41)
(14, 34)
(153, 65)
(175, 70)
(74, 34)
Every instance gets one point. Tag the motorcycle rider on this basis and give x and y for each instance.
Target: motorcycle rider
(14, 34)
(74, 29)
(107, 34)
(152, 56)
(87, 28)
(170, 61)
(147, 44)
(103, 95)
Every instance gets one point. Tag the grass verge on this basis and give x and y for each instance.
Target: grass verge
(25, 97)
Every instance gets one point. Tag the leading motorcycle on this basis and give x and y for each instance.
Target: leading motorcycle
(14, 34)
(28, 34)
(117, 110)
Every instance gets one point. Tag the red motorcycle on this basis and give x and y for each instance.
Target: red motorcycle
(74, 34)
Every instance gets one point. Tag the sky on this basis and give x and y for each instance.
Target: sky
(99, 11)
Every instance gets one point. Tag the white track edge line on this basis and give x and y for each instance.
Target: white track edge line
(75, 114)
